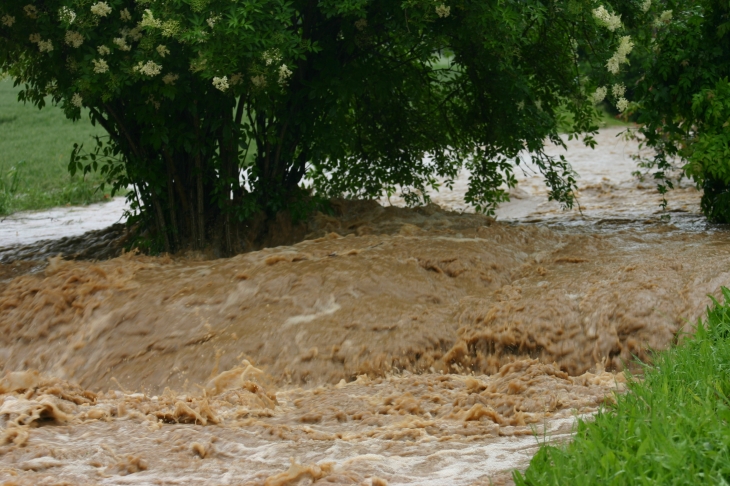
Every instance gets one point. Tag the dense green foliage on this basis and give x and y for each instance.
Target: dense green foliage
(683, 98)
(34, 150)
(673, 427)
(220, 111)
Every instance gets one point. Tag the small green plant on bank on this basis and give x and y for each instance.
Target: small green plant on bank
(672, 428)
(8, 187)
(43, 140)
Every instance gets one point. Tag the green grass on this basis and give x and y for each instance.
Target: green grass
(35, 146)
(673, 427)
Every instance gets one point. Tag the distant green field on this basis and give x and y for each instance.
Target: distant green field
(35, 146)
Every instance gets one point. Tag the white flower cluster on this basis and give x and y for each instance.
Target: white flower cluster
(360, 24)
(121, 43)
(66, 15)
(663, 19)
(45, 46)
(236, 79)
(34, 38)
(599, 95)
(170, 28)
(284, 75)
(221, 83)
(170, 78)
(100, 66)
(259, 80)
(149, 68)
(149, 20)
(521, 106)
(74, 39)
(607, 19)
(103, 50)
(101, 9)
(135, 34)
(646, 6)
(622, 104)
(618, 90)
(621, 55)
(31, 11)
(212, 20)
(162, 50)
(271, 56)
(443, 11)
(7, 20)
(125, 15)
(77, 100)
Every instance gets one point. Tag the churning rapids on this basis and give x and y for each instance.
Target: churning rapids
(391, 346)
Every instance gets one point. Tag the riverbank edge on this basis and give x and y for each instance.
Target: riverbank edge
(672, 427)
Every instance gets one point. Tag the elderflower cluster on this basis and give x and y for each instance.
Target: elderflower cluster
(618, 90)
(360, 24)
(103, 50)
(622, 104)
(45, 46)
(621, 55)
(663, 19)
(212, 20)
(170, 78)
(7, 20)
(271, 56)
(100, 66)
(77, 100)
(101, 9)
(284, 74)
(125, 15)
(443, 11)
(135, 34)
(607, 19)
(221, 83)
(149, 20)
(149, 68)
(31, 11)
(646, 6)
(74, 39)
(259, 80)
(121, 43)
(34, 38)
(66, 15)
(162, 50)
(599, 95)
(236, 79)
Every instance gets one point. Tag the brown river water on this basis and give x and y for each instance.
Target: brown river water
(420, 346)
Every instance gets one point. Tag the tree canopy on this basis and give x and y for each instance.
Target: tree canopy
(221, 111)
(683, 98)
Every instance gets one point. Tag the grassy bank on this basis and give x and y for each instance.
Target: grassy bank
(671, 428)
(35, 146)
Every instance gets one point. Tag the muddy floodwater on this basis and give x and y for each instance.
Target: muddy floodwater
(423, 346)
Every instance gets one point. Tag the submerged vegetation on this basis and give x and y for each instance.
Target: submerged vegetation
(34, 153)
(672, 427)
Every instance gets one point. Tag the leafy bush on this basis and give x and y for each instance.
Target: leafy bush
(683, 99)
(218, 111)
(672, 427)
